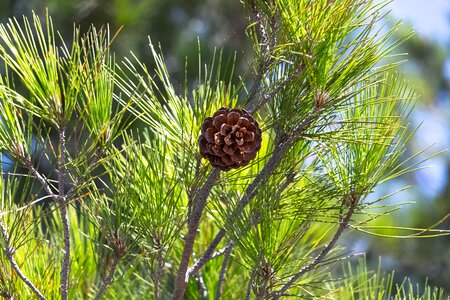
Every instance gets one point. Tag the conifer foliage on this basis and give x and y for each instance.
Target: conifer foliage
(118, 184)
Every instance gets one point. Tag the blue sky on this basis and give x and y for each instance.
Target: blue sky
(430, 18)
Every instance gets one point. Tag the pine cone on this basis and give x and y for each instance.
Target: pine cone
(229, 139)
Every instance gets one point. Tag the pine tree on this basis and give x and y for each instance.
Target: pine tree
(117, 183)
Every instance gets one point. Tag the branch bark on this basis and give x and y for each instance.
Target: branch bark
(250, 284)
(343, 224)
(226, 258)
(159, 271)
(61, 200)
(108, 280)
(201, 286)
(267, 44)
(199, 204)
(277, 155)
(9, 252)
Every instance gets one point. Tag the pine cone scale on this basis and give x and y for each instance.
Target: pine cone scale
(233, 118)
(218, 139)
(209, 135)
(225, 129)
(249, 136)
(219, 120)
(206, 124)
(229, 139)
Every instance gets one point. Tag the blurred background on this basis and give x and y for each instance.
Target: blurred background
(178, 25)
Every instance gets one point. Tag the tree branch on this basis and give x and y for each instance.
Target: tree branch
(280, 86)
(157, 277)
(226, 258)
(265, 60)
(209, 253)
(222, 251)
(9, 252)
(199, 204)
(252, 96)
(41, 178)
(201, 286)
(262, 292)
(61, 199)
(250, 283)
(277, 155)
(108, 280)
(343, 224)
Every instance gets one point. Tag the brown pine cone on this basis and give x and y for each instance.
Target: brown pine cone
(229, 139)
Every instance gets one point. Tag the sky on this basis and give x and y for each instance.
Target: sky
(430, 18)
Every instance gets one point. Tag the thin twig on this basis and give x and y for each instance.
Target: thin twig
(262, 292)
(25, 206)
(250, 284)
(61, 199)
(264, 60)
(343, 224)
(208, 255)
(277, 155)
(226, 258)
(222, 251)
(280, 86)
(203, 291)
(193, 223)
(159, 271)
(41, 178)
(256, 87)
(9, 252)
(109, 279)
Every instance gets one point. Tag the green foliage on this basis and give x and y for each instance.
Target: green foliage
(360, 283)
(141, 205)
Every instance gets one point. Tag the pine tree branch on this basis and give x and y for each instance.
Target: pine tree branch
(273, 162)
(262, 292)
(41, 178)
(250, 284)
(266, 97)
(209, 253)
(267, 44)
(159, 271)
(226, 258)
(343, 224)
(202, 289)
(109, 279)
(261, 28)
(256, 87)
(199, 203)
(61, 199)
(223, 251)
(9, 252)
(277, 155)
